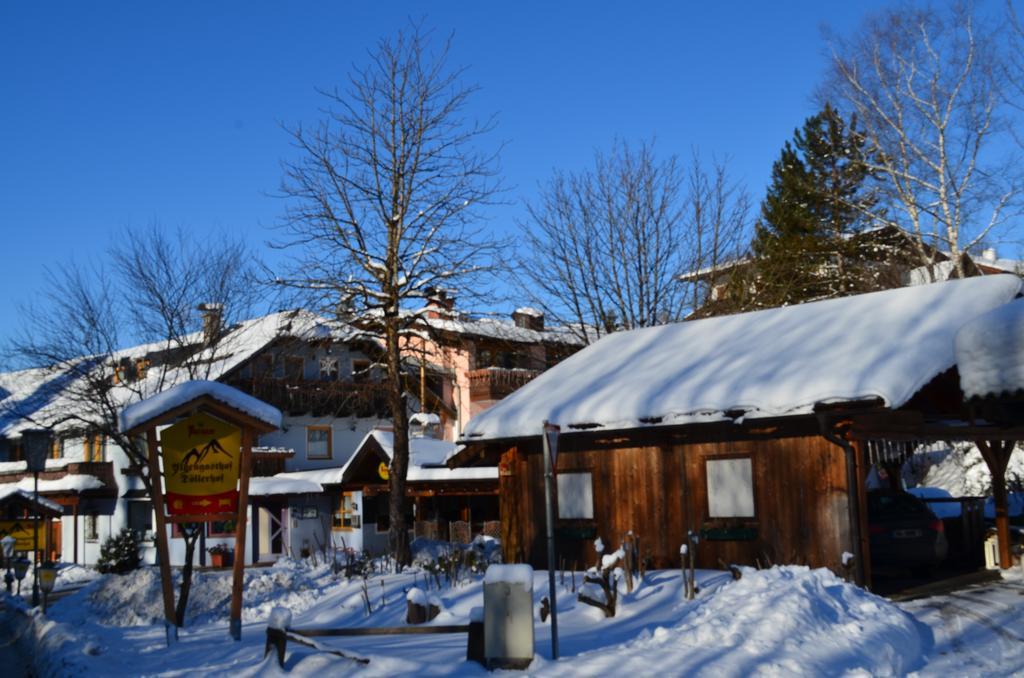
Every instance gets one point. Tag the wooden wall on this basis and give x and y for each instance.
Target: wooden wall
(659, 491)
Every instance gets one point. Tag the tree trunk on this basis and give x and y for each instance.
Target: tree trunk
(191, 537)
(398, 535)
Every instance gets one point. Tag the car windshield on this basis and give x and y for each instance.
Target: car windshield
(897, 505)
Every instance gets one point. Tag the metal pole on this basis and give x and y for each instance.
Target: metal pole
(549, 507)
(35, 539)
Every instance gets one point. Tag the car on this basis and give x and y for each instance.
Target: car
(904, 533)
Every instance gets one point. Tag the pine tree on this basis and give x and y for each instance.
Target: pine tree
(119, 553)
(802, 248)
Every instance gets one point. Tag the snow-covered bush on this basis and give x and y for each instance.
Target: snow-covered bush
(119, 554)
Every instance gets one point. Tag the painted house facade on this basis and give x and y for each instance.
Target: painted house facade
(755, 431)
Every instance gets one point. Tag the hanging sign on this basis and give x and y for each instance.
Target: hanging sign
(383, 472)
(21, 530)
(201, 466)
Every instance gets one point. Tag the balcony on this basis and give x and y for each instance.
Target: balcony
(319, 398)
(494, 383)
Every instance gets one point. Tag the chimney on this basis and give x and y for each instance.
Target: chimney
(440, 304)
(528, 318)
(213, 320)
(989, 254)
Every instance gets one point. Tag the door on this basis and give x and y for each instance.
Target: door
(272, 538)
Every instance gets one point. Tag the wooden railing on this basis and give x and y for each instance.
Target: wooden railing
(494, 383)
(320, 398)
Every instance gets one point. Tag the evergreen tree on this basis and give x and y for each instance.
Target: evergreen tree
(802, 248)
(119, 553)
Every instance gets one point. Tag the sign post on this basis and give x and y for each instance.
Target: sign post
(550, 439)
(199, 469)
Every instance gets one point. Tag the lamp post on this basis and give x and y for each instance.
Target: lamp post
(36, 444)
(8, 543)
(47, 575)
(20, 570)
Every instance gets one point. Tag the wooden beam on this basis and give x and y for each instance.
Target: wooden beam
(239, 564)
(996, 454)
(162, 550)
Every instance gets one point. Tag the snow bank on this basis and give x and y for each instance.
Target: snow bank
(134, 599)
(773, 362)
(990, 353)
(141, 412)
(782, 621)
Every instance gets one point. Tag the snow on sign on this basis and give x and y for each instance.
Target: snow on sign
(201, 466)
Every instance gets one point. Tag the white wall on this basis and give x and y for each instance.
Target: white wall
(346, 434)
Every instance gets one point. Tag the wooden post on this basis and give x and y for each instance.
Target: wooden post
(74, 519)
(996, 454)
(861, 496)
(243, 507)
(162, 549)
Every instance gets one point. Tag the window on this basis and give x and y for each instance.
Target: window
(293, 368)
(730, 487)
(328, 369)
(92, 527)
(318, 442)
(92, 448)
(56, 448)
(141, 367)
(360, 371)
(343, 517)
(263, 366)
(576, 496)
(221, 528)
(140, 517)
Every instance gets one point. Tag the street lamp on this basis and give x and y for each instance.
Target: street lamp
(8, 543)
(47, 575)
(36, 444)
(20, 570)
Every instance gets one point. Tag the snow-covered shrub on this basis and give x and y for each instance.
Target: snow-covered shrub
(119, 554)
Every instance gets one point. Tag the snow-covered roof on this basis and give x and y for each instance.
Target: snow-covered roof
(11, 489)
(321, 476)
(990, 352)
(282, 483)
(146, 410)
(427, 457)
(77, 482)
(775, 362)
(22, 466)
(45, 394)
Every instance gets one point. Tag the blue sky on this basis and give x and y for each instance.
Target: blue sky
(121, 114)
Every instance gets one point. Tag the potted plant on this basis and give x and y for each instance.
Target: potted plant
(221, 555)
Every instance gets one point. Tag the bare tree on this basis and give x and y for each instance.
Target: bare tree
(717, 214)
(926, 87)
(381, 206)
(148, 291)
(604, 247)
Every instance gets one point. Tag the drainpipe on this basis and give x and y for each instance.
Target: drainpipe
(852, 484)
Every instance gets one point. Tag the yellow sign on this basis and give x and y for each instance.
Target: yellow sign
(201, 465)
(382, 471)
(21, 530)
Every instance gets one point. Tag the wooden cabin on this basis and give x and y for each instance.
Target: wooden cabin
(755, 431)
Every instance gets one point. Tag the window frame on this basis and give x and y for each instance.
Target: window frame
(732, 456)
(330, 442)
(339, 516)
(558, 493)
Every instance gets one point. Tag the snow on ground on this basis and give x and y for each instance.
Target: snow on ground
(978, 631)
(787, 620)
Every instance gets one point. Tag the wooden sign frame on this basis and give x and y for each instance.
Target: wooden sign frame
(251, 428)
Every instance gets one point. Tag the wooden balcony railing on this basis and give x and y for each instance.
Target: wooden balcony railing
(494, 383)
(319, 398)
